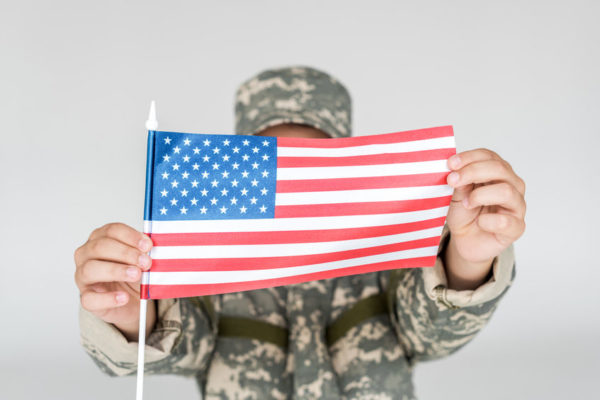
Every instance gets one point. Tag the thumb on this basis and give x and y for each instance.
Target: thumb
(461, 192)
(459, 217)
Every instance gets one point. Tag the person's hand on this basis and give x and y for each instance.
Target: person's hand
(108, 272)
(487, 214)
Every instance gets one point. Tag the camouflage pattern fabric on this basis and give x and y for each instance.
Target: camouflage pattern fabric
(299, 95)
(373, 360)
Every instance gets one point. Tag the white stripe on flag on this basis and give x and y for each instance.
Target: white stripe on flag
(207, 277)
(287, 249)
(362, 171)
(403, 147)
(358, 196)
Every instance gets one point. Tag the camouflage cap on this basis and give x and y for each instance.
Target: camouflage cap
(300, 95)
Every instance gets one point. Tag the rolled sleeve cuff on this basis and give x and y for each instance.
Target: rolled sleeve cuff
(110, 348)
(436, 281)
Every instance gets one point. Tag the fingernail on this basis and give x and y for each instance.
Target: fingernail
(132, 272)
(453, 178)
(144, 245)
(454, 161)
(121, 298)
(144, 260)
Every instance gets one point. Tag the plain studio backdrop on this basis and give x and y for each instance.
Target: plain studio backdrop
(518, 77)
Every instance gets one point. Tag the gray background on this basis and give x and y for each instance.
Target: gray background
(520, 77)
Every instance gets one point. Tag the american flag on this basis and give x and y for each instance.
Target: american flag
(230, 213)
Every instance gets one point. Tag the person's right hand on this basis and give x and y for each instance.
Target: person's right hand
(108, 272)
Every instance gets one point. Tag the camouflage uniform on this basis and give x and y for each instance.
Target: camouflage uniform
(354, 337)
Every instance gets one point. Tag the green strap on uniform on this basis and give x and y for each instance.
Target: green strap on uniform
(253, 329)
(364, 309)
(393, 281)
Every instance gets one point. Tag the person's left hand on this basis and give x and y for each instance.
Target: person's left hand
(487, 211)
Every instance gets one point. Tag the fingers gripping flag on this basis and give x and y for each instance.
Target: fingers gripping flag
(230, 213)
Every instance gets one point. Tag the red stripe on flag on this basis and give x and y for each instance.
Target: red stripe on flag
(170, 291)
(365, 208)
(256, 263)
(372, 182)
(285, 237)
(397, 137)
(370, 159)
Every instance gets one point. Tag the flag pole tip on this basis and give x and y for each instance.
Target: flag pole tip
(152, 123)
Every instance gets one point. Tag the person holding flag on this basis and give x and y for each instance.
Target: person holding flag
(356, 336)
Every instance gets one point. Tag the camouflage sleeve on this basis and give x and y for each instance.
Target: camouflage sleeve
(432, 321)
(181, 343)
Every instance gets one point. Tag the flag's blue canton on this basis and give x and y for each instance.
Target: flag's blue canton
(199, 176)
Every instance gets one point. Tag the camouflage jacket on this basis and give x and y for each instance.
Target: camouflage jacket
(301, 342)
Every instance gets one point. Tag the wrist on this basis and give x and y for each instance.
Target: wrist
(131, 330)
(463, 274)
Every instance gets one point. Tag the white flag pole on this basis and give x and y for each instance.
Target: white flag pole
(139, 393)
(151, 125)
